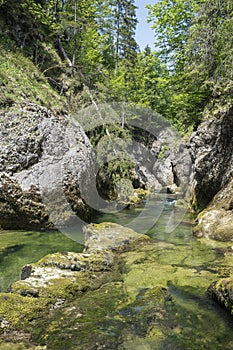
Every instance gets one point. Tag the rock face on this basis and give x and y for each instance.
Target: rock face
(45, 161)
(212, 153)
(164, 165)
(149, 152)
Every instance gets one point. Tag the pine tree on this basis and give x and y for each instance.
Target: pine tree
(125, 21)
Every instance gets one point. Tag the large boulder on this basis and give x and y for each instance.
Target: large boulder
(212, 186)
(45, 161)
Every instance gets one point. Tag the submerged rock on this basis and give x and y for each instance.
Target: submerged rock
(45, 158)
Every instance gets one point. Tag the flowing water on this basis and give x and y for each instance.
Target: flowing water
(160, 302)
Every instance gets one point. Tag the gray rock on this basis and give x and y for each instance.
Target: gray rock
(45, 162)
(165, 165)
(211, 149)
(212, 184)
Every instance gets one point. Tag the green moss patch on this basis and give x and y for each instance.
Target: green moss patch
(20, 79)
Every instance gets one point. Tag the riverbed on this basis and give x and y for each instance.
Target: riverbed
(159, 303)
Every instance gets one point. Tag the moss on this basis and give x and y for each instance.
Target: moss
(76, 261)
(13, 346)
(163, 152)
(21, 311)
(21, 80)
(139, 195)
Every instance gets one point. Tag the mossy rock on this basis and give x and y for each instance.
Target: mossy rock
(109, 236)
(215, 224)
(66, 290)
(61, 275)
(222, 292)
(19, 312)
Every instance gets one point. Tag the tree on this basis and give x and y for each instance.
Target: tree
(171, 22)
(210, 51)
(125, 21)
(186, 89)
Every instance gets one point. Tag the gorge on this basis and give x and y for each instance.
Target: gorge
(116, 176)
(149, 290)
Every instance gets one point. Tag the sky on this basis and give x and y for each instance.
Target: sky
(144, 33)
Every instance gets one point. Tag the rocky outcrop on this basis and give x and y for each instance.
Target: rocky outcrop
(148, 153)
(166, 166)
(55, 280)
(45, 162)
(212, 153)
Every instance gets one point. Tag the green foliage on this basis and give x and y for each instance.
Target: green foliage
(171, 21)
(125, 21)
(195, 40)
(87, 53)
(112, 153)
(210, 50)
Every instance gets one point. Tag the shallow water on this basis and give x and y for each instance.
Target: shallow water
(185, 266)
(160, 301)
(18, 248)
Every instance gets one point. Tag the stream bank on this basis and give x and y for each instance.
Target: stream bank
(212, 185)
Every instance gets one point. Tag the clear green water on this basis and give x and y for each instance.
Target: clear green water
(184, 265)
(159, 302)
(18, 248)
